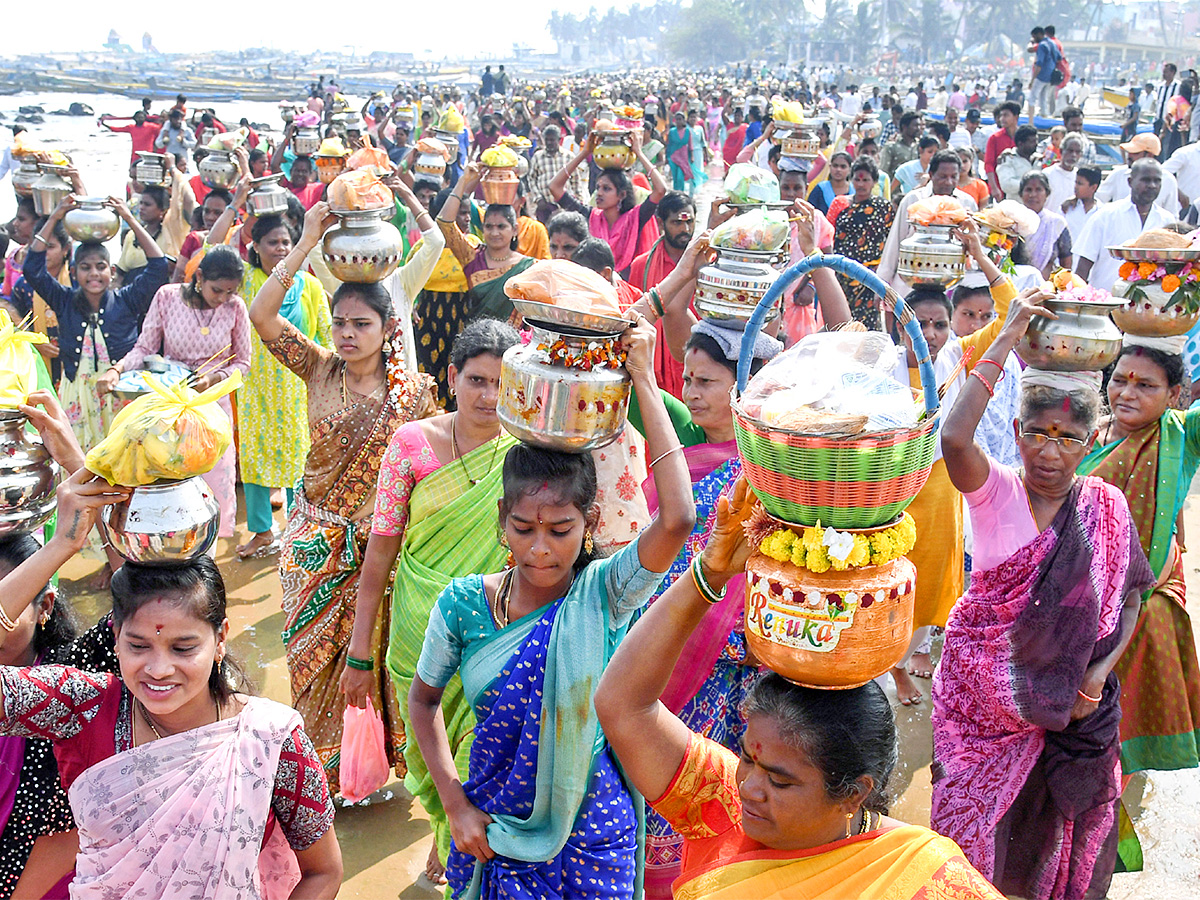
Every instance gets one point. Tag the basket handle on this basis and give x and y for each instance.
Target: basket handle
(857, 271)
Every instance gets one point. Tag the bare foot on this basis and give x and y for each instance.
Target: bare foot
(258, 545)
(102, 579)
(921, 665)
(277, 498)
(434, 870)
(907, 692)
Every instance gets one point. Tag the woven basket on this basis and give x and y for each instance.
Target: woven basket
(851, 482)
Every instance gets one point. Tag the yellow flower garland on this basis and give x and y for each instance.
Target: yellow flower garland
(808, 550)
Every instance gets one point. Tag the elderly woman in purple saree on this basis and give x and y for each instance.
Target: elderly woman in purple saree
(1026, 706)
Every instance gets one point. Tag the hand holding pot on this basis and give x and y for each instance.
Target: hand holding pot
(727, 550)
(65, 205)
(317, 221)
(472, 173)
(117, 205)
(54, 428)
(1026, 305)
(968, 234)
(80, 499)
(638, 341)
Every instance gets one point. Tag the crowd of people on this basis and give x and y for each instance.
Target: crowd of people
(554, 641)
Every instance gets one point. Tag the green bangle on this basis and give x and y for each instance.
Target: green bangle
(707, 591)
(656, 302)
(363, 665)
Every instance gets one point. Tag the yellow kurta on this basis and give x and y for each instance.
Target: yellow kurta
(273, 404)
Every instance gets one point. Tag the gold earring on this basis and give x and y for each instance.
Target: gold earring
(849, 818)
(588, 543)
(503, 540)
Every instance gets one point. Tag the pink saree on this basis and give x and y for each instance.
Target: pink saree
(185, 816)
(1028, 793)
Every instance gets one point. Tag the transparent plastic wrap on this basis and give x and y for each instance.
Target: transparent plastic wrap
(561, 282)
(836, 383)
(358, 189)
(746, 183)
(757, 230)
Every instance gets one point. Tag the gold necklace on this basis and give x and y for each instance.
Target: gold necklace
(462, 462)
(149, 721)
(866, 822)
(503, 596)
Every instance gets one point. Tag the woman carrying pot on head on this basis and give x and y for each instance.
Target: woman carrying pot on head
(543, 811)
(37, 831)
(487, 267)
(1026, 709)
(802, 811)
(357, 396)
(203, 325)
(706, 689)
(272, 419)
(174, 772)
(28, 302)
(628, 227)
(438, 487)
(1150, 451)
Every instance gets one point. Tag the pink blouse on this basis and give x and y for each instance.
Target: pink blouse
(193, 336)
(1000, 509)
(408, 458)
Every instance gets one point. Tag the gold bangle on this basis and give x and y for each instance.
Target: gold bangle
(5, 622)
(665, 455)
(282, 275)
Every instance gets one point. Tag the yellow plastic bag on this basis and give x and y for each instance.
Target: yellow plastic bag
(172, 432)
(18, 368)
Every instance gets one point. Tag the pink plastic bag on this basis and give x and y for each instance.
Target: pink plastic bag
(364, 767)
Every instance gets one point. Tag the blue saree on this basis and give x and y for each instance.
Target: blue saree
(564, 824)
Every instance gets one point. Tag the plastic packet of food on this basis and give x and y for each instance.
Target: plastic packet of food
(787, 112)
(358, 189)
(370, 156)
(499, 157)
(566, 284)
(433, 147)
(745, 183)
(758, 229)
(838, 381)
(937, 210)
(171, 432)
(18, 368)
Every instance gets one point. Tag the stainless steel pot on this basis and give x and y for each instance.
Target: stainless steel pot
(363, 246)
(306, 141)
(268, 196)
(152, 168)
(165, 522)
(558, 407)
(1154, 313)
(24, 177)
(91, 221)
(28, 477)
(450, 139)
(219, 169)
(50, 188)
(731, 288)
(1081, 339)
(930, 257)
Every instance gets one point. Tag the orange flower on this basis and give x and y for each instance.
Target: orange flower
(1146, 269)
(1126, 269)
(1170, 284)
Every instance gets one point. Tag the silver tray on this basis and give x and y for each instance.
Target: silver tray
(552, 315)
(1154, 254)
(759, 204)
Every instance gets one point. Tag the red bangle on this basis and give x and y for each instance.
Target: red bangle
(990, 389)
(999, 366)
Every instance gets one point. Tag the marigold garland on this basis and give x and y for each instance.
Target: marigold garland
(808, 551)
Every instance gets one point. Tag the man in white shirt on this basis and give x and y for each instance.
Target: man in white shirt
(1119, 222)
(1184, 164)
(943, 176)
(979, 134)
(959, 136)
(851, 104)
(1116, 184)
(938, 102)
(910, 99)
(1061, 175)
(1164, 92)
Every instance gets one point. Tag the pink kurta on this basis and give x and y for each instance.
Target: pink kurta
(193, 337)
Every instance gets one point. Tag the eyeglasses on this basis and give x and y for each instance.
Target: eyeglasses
(1035, 440)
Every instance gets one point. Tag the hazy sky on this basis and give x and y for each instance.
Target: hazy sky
(467, 27)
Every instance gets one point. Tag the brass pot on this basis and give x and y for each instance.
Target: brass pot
(500, 185)
(1081, 339)
(614, 151)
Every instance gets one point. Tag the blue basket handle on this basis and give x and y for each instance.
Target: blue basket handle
(858, 272)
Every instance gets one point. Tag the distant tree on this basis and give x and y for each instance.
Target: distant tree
(708, 33)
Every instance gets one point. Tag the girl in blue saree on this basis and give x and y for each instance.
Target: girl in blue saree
(544, 812)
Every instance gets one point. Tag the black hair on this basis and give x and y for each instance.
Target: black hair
(926, 141)
(866, 142)
(294, 217)
(1031, 176)
(774, 153)
(1011, 105)
(158, 194)
(1170, 363)
(1049, 31)
(264, 225)
(572, 476)
(844, 734)
(943, 157)
(199, 585)
(964, 292)
(372, 293)
(425, 184)
(929, 295)
(673, 202)
(221, 194)
(622, 185)
(865, 164)
(60, 628)
(88, 249)
(595, 254)
(1024, 133)
(59, 234)
(1082, 406)
(909, 117)
(219, 263)
(940, 131)
(256, 154)
(510, 216)
(1091, 174)
(27, 206)
(483, 337)
(708, 345)
(569, 223)
(436, 204)
(303, 159)
(1071, 112)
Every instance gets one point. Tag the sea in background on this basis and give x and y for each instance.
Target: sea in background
(101, 156)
